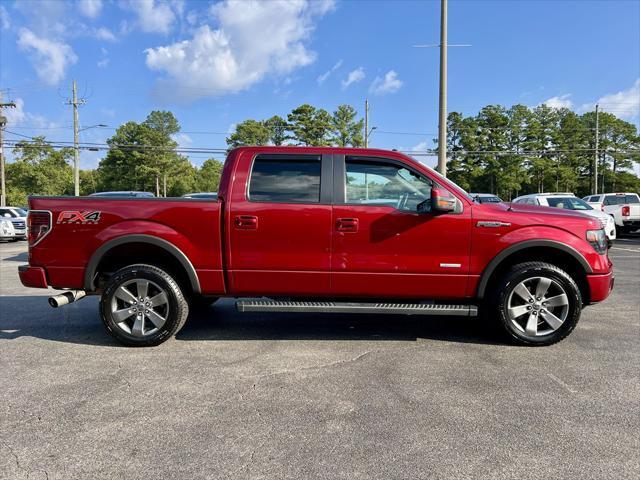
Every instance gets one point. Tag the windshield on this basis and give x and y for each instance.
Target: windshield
(569, 203)
(20, 212)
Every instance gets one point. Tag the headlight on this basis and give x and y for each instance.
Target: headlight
(598, 240)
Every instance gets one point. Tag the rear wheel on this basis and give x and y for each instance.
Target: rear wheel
(537, 303)
(143, 305)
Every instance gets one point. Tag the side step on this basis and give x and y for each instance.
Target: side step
(350, 307)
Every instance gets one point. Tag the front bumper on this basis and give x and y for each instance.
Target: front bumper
(600, 286)
(34, 277)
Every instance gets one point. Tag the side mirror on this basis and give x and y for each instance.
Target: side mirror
(442, 201)
(7, 215)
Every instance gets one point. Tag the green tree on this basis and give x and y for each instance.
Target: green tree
(277, 127)
(208, 176)
(249, 132)
(38, 169)
(310, 126)
(347, 130)
(141, 155)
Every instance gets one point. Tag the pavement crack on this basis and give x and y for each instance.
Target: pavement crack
(319, 367)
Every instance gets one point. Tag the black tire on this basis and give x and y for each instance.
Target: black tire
(174, 311)
(529, 272)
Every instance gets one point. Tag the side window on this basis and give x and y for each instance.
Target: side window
(385, 184)
(285, 180)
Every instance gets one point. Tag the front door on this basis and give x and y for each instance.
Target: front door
(279, 225)
(382, 246)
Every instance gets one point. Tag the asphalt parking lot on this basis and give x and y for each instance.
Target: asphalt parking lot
(316, 396)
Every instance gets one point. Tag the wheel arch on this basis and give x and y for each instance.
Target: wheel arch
(173, 255)
(556, 253)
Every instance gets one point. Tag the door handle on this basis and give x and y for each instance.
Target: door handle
(347, 224)
(246, 222)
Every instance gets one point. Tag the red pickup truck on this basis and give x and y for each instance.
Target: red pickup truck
(302, 229)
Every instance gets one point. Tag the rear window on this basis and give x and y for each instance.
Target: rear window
(285, 179)
(621, 199)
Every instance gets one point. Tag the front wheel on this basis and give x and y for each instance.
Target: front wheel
(143, 306)
(537, 303)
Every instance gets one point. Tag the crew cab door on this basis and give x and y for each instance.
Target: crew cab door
(382, 246)
(279, 225)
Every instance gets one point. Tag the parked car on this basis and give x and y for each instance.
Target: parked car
(569, 201)
(202, 195)
(485, 198)
(623, 207)
(18, 217)
(320, 229)
(123, 194)
(7, 232)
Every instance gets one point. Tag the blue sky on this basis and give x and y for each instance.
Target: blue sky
(215, 64)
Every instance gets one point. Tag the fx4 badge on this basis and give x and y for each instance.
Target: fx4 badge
(79, 217)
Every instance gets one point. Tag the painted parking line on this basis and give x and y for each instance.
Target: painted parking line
(626, 249)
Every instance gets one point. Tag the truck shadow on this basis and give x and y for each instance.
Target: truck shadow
(79, 323)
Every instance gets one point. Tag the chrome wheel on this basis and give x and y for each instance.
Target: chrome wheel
(537, 306)
(139, 307)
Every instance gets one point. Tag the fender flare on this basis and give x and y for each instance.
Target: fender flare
(498, 259)
(170, 248)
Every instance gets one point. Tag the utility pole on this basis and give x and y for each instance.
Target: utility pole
(366, 123)
(76, 149)
(595, 158)
(3, 122)
(442, 122)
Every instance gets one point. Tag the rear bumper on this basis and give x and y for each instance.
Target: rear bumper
(600, 286)
(34, 277)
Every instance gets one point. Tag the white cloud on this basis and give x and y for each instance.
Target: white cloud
(50, 58)
(5, 24)
(253, 39)
(353, 77)
(183, 140)
(321, 79)
(420, 147)
(153, 16)
(105, 34)
(18, 115)
(390, 83)
(90, 8)
(561, 101)
(624, 104)
(103, 63)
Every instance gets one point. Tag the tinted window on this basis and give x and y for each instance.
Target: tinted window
(569, 203)
(487, 199)
(379, 183)
(620, 199)
(285, 180)
(6, 212)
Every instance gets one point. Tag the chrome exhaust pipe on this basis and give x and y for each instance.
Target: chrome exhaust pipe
(65, 298)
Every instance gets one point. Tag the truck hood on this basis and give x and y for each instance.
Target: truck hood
(540, 210)
(519, 216)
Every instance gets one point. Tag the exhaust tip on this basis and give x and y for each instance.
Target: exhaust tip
(52, 301)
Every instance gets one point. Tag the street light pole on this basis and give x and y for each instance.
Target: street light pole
(442, 121)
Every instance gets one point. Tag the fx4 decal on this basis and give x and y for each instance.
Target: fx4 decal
(79, 217)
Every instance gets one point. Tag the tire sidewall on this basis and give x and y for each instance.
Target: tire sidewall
(158, 277)
(568, 284)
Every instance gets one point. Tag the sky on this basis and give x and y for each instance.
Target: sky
(215, 64)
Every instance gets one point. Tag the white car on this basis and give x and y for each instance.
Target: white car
(569, 201)
(623, 207)
(18, 217)
(6, 230)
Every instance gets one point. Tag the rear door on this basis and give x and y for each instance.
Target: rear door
(382, 246)
(279, 225)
